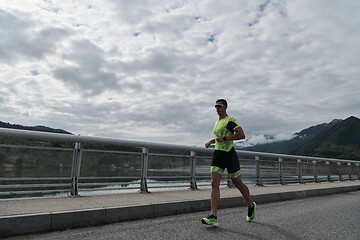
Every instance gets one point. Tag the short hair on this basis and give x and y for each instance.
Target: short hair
(223, 101)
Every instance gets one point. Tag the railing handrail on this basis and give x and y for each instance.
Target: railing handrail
(295, 157)
(37, 135)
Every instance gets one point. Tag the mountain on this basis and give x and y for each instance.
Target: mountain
(299, 139)
(336, 139)
(340, 141)
(34, 128)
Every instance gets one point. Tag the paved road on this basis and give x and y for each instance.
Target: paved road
(329, 217)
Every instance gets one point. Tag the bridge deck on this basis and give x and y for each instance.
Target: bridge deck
(29, 215)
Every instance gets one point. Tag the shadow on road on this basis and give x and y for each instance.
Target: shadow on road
(278, 232)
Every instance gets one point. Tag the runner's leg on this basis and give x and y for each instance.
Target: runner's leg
(243, 189)
(215, 191)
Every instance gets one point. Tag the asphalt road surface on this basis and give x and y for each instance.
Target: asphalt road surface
(328, 217)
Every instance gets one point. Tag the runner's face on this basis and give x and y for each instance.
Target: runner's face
(220, 108)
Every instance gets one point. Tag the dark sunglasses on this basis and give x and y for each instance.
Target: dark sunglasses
(219, 105)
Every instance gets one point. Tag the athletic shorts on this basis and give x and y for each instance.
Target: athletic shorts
(228, 160)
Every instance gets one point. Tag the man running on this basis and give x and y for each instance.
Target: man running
(226, 130)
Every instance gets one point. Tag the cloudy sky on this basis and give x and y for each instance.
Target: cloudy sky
(151, 70)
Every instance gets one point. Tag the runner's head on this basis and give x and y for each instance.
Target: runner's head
(221, 105)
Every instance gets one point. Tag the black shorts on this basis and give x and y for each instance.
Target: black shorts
(228, 160)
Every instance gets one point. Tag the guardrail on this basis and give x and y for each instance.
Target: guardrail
(126, 170)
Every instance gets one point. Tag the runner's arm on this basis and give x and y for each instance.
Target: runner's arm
(238, 135)
(212, 141)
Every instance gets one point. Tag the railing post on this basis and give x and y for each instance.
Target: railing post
(300, 177)
(144, 168)
(358, 170)
(350, 172)
(281, 171)
(329, 172)
(229, 183)
(316, 177)
(75, 170)
(258, 177)
(340, 172)
(193, 185)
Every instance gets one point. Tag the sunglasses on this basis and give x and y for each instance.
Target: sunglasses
(219, 105)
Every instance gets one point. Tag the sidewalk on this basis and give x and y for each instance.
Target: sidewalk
(30, 215)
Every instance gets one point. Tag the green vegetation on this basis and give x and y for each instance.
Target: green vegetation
(35, 128)
(300, 139)
(340, 141)
(337, 139)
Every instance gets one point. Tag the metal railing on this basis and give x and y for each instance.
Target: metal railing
(84, 169)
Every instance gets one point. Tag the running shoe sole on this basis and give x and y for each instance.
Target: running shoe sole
(210, 222)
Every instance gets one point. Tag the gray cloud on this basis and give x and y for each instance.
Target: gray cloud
(156, 60)
(153, 69)
(20, 38)
(87, 82)
(88, 72)
(135, 11)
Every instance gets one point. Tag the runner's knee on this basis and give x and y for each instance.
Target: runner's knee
(215, 183)
(237, 181)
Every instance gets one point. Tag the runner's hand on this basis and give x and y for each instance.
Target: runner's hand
(220, 139)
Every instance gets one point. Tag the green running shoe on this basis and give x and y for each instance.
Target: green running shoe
(251, 213)
(209, 220)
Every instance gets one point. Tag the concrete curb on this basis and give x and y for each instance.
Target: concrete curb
(35, 223)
